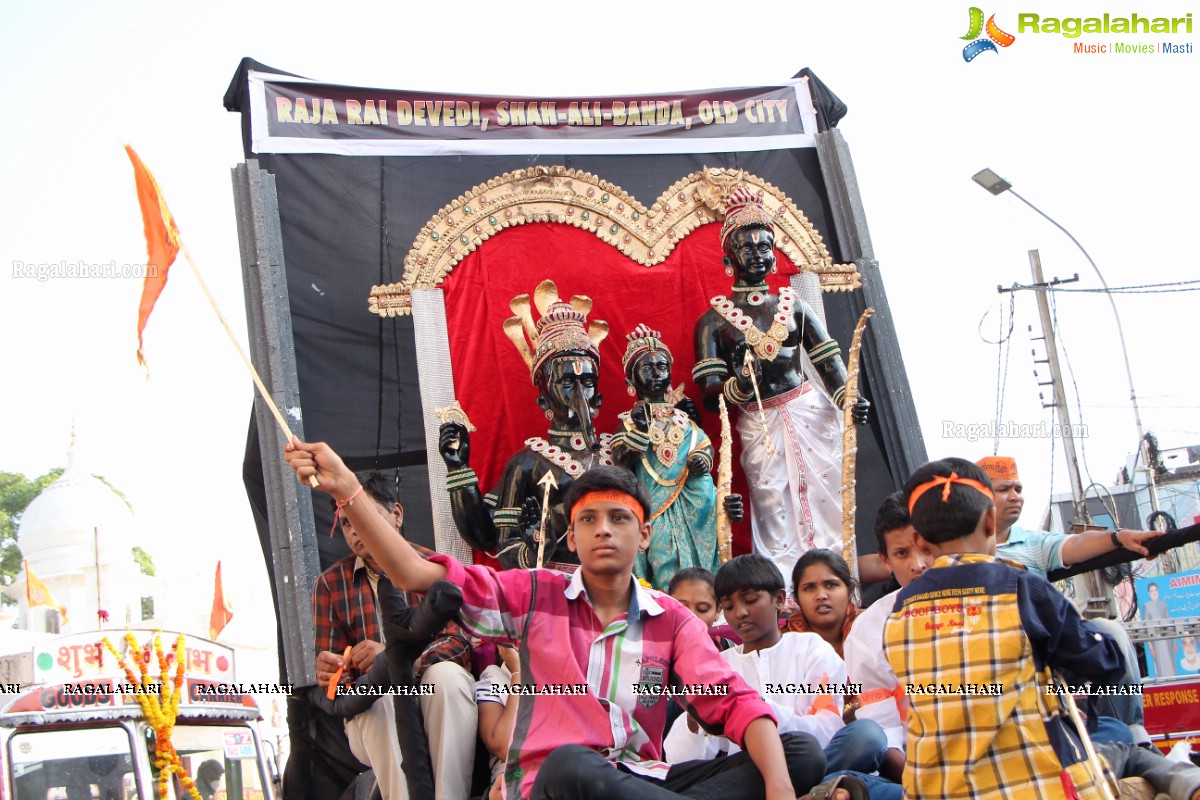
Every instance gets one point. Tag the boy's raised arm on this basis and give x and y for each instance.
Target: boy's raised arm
(399, 560)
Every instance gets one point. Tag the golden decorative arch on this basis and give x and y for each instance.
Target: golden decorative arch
(574, 197)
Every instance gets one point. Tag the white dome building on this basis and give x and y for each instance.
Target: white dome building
(77, 537)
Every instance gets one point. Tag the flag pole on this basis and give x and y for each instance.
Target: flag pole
(241, 352)
(262, 389)
(163, 244)
(96, 553)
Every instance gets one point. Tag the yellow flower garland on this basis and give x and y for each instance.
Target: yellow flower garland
(161, 707)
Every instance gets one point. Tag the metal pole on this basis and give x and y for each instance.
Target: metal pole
(1143, 448)
(883, 363)
(1099, 603)
(96, 553)
(268, 317)
(1066, 432)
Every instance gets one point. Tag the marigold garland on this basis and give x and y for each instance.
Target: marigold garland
(161, 707)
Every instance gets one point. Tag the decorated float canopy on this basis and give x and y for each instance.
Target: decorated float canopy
(76, 677)
(410, 219)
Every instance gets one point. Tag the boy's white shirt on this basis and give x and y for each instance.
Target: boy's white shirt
(798, 659)
(866, 665)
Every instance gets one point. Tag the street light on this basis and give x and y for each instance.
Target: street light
(996, 185)
(991, 181)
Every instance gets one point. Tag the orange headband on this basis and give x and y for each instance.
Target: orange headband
(611, 496)
(946, 483)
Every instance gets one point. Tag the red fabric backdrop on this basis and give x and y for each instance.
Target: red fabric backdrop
(492, 382)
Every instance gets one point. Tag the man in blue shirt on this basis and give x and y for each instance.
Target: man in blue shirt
(1045, 551)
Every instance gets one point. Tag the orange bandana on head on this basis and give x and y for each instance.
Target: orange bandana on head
(946, 483)
(611, 496)
(999, 468)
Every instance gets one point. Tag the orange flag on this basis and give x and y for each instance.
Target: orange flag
(38, 594)
(162, 241)
(222, 611)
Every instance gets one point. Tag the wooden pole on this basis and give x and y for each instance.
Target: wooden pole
(1098, 773)
(262, 389)
(96, 555)
(850, 447)
(724, 485)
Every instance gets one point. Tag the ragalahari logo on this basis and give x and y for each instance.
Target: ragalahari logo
(995, 36)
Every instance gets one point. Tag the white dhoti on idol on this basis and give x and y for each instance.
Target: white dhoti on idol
(795, 493)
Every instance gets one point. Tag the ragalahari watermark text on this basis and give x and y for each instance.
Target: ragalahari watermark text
(57, 270)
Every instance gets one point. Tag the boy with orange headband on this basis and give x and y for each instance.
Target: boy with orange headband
(974, 642)
(598, 656)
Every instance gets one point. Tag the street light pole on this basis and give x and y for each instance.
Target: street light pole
(996, 185)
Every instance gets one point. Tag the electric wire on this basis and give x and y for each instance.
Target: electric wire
(383, 265)
(1053, 415)
(999, 389)
(1145, 288)
(386, 164)
(1003, 353)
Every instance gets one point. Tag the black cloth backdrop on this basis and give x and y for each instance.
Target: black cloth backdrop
(347, 224)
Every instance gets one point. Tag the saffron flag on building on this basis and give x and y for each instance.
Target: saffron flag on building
(222, 610)
(38, 594)
(162, 241)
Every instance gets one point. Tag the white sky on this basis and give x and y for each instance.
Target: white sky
(1100, 142)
